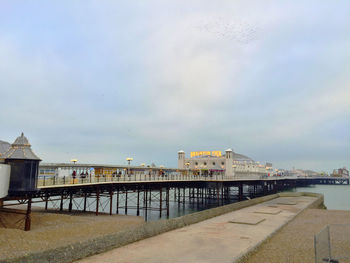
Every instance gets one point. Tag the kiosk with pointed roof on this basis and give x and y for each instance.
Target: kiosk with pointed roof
(24, 166)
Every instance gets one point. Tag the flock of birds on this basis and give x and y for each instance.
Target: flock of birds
(238, 31)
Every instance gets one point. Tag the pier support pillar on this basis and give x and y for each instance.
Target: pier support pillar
(150, 197)
(184, 196)
(97, 200)
(240, 192)
(126, 202)
(138, 202)
(110, 201)
(46, 200)
(117, 208)
(85, 199)
(27, 222)
(61, 204)
(145, 201)
(167, 201)
(70, 202)
(160, 202)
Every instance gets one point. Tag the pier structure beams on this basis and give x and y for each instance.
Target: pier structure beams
(151, 200)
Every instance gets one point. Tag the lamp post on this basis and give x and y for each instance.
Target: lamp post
(129, 159)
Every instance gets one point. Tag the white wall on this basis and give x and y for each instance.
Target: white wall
(5, 171)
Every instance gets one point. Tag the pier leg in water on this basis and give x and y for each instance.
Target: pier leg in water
(217, 194)
(222, 195)
(70, 202)
(110, 201)
(202, 195)
(126, 202)
(138, 202)
(183, 198)
(85, 197)
(150, 197)
(97, 199)
(46, 200)
(61, 204)
(160, 202)
(145, 202)
(240, 192)
(167, 201)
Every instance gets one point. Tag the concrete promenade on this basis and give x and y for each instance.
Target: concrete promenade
(224, 238)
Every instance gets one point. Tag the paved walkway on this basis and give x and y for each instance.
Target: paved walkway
(219, 239)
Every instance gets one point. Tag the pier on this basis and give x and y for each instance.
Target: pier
(145, 190)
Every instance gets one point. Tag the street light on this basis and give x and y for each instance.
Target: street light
(129, 159)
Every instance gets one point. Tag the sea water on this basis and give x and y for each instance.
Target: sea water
(336, 197)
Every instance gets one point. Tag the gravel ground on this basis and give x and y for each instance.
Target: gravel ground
(51, 230)
(295, 242)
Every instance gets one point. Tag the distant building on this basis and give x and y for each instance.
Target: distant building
(268, 165)
(213, 162)
(341, 172)
(302, 173)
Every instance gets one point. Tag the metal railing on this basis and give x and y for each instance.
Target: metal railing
(46, 181)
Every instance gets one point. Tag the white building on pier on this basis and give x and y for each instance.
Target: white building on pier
(214, 162)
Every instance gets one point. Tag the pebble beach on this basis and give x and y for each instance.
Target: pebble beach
(295, 241)
(52, 230)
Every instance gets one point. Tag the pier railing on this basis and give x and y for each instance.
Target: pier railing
(70, 180)
(50, 181)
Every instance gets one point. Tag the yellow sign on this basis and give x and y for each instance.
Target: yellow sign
(206, 153)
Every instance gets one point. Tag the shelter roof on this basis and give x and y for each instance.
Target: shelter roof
(20, 149)
(4, 146)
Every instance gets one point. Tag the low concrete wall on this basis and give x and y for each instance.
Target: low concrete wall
(90, 247)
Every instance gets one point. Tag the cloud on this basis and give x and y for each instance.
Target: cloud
(107, 79)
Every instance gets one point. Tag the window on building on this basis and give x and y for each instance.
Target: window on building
(213, 163)
(205, 163)
(222, 163)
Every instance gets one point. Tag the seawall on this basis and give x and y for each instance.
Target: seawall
(75, 251)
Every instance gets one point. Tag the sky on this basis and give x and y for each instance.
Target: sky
(102, 80)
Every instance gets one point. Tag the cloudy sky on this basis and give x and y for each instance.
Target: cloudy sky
(104, 80)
